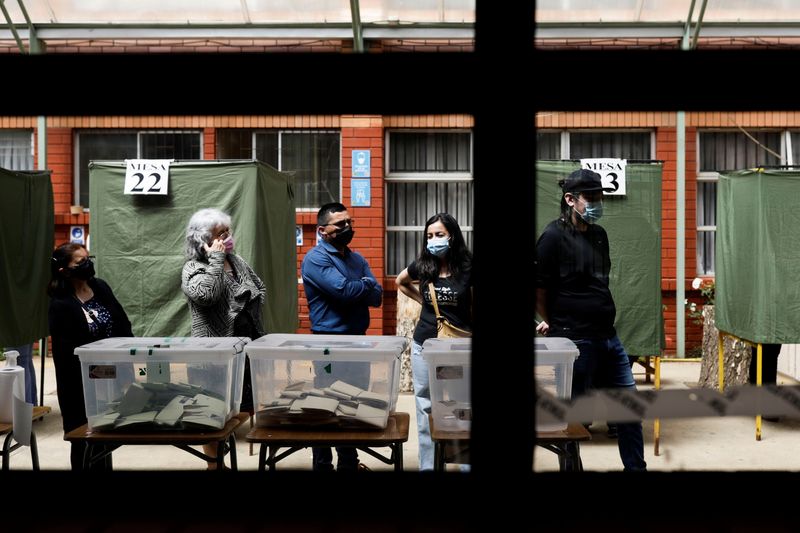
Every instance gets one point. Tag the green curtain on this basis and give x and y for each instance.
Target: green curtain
(757, 255)
(139, 240)
(633, 224)
(26, 245)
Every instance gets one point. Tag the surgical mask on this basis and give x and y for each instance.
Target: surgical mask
(84, 271)
(438, 246)
(593, 211)
(228, 243)
(343, 236)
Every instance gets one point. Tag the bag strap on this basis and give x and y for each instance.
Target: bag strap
(433, 300)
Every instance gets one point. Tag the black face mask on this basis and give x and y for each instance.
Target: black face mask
(84, 271)
(343, 237)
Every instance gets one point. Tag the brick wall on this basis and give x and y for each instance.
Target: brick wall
(358, 132)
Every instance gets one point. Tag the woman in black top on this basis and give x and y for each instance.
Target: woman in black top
(445, 262)
(82, 309)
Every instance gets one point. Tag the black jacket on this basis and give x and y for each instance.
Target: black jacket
(68, 330)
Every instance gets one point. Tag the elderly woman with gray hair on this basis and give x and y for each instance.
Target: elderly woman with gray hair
(225, 294)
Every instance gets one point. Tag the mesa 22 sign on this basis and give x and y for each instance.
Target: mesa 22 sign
(147, 176)
(612, 172)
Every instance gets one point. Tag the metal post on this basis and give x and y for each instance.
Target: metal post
(42, 165)
(680, 237)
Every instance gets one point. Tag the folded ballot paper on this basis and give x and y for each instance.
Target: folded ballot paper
(340, 404)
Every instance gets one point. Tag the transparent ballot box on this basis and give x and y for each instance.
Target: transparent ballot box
(449, 375)
(162, 383)
(553, 371)
(339, 380)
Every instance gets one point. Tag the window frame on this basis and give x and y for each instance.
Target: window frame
(421, 177)
(76, 169)
(32, 136)
(712, 176)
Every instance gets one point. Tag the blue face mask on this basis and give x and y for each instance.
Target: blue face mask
(593, 212)
(439, 246)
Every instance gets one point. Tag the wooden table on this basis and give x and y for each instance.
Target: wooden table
(297, 438)
(99, 444)
(7, 430)
(453, 446)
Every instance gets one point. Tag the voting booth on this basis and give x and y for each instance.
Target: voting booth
(138, 234)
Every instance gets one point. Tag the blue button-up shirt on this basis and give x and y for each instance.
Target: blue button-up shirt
(339, 288)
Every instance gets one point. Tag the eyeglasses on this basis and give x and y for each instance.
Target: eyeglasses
(342, 223)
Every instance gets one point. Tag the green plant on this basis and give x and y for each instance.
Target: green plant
(706, 288)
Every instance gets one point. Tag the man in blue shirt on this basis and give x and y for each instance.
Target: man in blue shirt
(339, 288)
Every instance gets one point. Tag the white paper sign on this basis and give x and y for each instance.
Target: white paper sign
(147, 176)
(612, 172)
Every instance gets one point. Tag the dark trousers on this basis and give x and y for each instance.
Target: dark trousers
(603, 363)
(769, 363)
(357, 374)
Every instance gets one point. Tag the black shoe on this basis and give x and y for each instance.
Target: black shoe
(612, 431)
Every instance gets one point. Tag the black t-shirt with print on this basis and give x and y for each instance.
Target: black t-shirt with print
(573, 267)
(454, 298)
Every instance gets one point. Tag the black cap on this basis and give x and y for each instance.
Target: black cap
(583, 180)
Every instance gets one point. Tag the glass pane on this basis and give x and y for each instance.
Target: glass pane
(664, 10)
(314, 159)
(705, 251)
(707, 203)
(107, 146)
(795, 148)
(234, 144)
(238, 12)
(429, 152)
(548, 145)
(721, 150)
(412, 204)
(267, 148)
(16, 150)
(622, 145)
(417, 11)
(180, 146)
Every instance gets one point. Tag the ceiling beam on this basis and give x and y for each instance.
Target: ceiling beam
(245, 31)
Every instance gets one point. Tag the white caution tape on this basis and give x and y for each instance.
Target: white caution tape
(623, 405)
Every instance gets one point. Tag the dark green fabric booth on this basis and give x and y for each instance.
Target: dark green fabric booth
(633, 223)
(26, 245)
(758, 255)
(139, 240)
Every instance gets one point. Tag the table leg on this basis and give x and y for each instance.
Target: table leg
(262, 457)
(6, 450)
(438, 456)
(232, 445)
(397, 449)
(220, 459)
(34, 452)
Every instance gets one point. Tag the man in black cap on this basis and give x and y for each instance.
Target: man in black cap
(574, 301)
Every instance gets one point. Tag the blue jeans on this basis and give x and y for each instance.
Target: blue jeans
(603, 363)
(422, 397)
(25, 360)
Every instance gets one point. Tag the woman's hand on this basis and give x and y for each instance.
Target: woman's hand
(542, 328)
(216, 246)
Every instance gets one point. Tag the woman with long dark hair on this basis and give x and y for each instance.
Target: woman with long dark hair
(444, 262)
(83, 309)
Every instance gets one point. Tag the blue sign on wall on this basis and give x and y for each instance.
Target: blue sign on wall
(361, 164)
(359, 193)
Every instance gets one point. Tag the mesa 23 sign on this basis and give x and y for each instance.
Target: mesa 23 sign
(612, 173)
